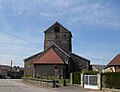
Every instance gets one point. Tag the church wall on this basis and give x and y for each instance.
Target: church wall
(49, 71)
(80, 63)
(62, 38)
(29, 68)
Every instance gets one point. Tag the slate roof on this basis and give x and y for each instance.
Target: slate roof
(53, 55)
(33, 56)
(99, 67)
(73, 54)
(115, 61)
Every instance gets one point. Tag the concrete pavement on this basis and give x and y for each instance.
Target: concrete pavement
(74, 89)
(10, 85)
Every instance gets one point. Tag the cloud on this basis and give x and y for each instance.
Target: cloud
(98, 53)
(84, 12)
(28, 19)
(13, 48)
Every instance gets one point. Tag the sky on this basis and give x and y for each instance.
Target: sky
(95, 26)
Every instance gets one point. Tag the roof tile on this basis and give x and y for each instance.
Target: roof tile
(49, 57)
(115, 61)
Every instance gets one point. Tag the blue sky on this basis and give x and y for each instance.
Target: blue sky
(95, 26)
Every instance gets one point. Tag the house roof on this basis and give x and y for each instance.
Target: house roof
(99, 67)
(5, 67)
(9, 68)
(33, 56)
(115, 61)
(50, 56)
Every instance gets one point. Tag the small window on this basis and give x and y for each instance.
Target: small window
(64, 36)
(56, 36)
(76, 58)
(57, 29)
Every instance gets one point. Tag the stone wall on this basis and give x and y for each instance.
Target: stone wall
(80, 63)
(29, 69)
(40, 82)
(48, 71)
(62, 38)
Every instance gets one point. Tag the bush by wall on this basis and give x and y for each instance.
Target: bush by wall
(90, 72)
(77, 78)
(111, 80)
(2, 76)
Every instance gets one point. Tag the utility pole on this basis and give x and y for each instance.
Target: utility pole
(11, 65)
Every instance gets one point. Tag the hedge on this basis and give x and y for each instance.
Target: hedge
(90, 72)
(77, 78)
(2, 76)
(111, 80)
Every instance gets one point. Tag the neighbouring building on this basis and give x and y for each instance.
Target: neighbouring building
(11, 72)
(113, 65)
(4, 70)
(57, 58)
(98, 68)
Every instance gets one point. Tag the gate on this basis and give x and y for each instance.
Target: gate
(91, 81)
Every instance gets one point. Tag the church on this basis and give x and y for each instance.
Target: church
(57, 58)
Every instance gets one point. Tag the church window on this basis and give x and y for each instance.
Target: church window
(76, 58)
(64, 35)
(57, 29)
(56, 36)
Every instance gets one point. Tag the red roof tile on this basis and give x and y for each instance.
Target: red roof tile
(115, 61)
(49, 57)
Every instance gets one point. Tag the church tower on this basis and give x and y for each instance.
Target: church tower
(57, 34)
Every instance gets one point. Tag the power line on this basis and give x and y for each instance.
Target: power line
(20, 38)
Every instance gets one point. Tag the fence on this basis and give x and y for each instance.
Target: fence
(90, 81)
(87, 81)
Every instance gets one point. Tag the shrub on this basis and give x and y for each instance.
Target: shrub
(77, 77)
(2, 76)
(111, 80)
(90, 72)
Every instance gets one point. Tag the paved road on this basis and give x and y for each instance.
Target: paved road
(10, 85)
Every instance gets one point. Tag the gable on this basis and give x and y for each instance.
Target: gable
(115, 61)
(58, 25)
(49, 57)
(35, 56)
